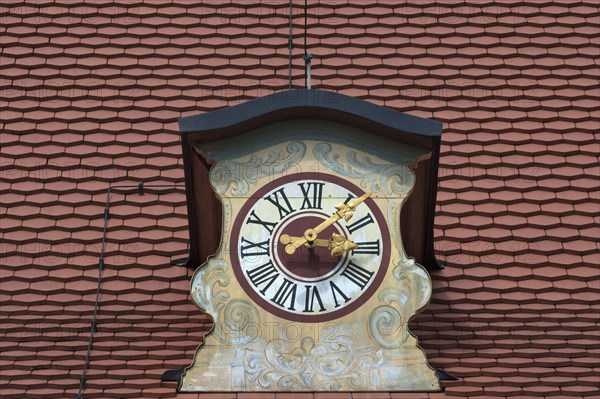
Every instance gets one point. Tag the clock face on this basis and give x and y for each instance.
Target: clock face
(309, 284)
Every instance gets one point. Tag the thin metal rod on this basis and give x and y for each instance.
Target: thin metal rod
(305, 23)
(290, 45)
(174, 185)
(307, 57)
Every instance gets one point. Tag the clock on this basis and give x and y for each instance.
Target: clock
(296, 233)
(323, 278)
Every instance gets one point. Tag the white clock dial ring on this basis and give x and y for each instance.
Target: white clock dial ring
(310, 285)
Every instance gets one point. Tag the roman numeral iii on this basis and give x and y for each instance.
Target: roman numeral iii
(369, 247)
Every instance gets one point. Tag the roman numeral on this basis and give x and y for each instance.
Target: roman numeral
(369, 247)
(357, 274)
(254, 249)
(334, 289)
(256, 220)
(350, 197)
(313, 194)
(287, 290)
(263, 274)
(352, 227)
(284, 209)
(310, 299)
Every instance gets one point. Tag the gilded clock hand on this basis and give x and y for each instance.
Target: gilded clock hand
(287, 239)
(343, 211)
(340, 244)
(337, 243)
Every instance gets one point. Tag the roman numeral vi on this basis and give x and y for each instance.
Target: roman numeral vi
(312, 293)
(285, 292)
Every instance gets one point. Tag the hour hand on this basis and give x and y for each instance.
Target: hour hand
(338, 244)
(286, 239)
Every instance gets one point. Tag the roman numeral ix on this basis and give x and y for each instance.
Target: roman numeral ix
(254, 249)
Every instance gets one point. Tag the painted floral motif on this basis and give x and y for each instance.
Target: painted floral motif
(327, 366)
(240, 175)
(234, 320)
(392, 179)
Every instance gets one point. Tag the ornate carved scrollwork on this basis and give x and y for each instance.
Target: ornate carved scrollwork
(392, 179)
(241, 175)
(325, 366)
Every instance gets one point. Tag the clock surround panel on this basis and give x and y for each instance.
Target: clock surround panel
(386, 152)
(335, 291)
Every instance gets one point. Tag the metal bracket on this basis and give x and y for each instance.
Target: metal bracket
(181, 262)
(172, 375)
(443, 376)
(307, 59)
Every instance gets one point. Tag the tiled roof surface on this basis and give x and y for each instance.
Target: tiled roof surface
(91, 93)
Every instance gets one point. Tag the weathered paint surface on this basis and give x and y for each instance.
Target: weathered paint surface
(261, 342)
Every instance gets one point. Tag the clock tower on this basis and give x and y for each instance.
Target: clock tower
(299, 207)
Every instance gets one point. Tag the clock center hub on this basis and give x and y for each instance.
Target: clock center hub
(307, 264)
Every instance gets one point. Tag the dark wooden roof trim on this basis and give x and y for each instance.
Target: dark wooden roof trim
(308, 103)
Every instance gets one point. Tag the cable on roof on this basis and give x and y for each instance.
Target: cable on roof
(93, 327)
(86, 365)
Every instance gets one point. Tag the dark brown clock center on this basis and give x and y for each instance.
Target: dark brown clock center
(307, 264)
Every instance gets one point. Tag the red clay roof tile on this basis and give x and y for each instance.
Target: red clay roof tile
(521, 149)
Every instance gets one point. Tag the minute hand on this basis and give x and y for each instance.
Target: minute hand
(343, 211)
